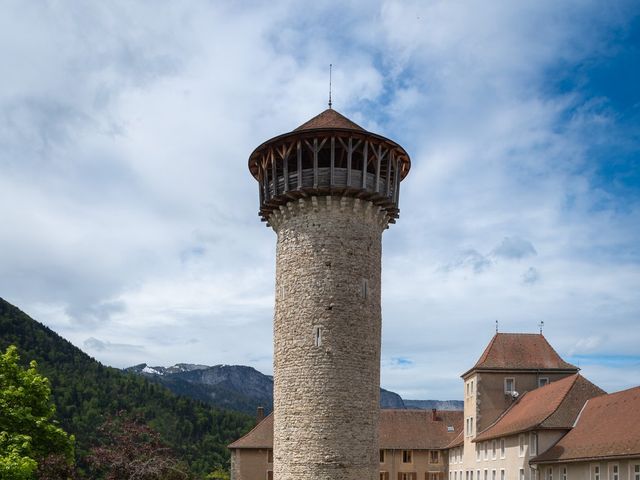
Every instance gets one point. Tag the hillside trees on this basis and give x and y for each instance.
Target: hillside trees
(28, 432)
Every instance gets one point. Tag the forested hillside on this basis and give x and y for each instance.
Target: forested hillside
(86, 392)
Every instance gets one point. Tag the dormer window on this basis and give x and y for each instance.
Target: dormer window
(542, 381)
(509, 385)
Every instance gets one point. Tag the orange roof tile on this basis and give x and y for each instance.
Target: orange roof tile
(520, 351)
(399, 429)
(555, 406)
(329, 119)
(608, 427)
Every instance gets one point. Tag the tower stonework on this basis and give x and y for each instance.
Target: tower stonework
(328, 189)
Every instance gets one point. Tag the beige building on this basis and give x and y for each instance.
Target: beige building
(603, 445)
(528, 415)
(413, 446)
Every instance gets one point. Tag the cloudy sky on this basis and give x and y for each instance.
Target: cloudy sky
(129, 219)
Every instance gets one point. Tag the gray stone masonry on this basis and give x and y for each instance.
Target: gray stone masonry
(327, 339)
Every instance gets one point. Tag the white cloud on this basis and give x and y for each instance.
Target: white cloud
(130, 215)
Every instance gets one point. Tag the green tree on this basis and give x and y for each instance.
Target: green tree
(28, 432)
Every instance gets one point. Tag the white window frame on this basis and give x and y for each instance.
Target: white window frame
(494, 449)
(513, 380)
(503, 474)
(478, 474)
(593, 474)
(486, 474)
(522, 445)
(549, 473)
(478, 452)
(634, 471)
(533, 444)
(613, 475)
(494, 474)
(563, 473)
(485, 451)
(503, 448)
(521, 474)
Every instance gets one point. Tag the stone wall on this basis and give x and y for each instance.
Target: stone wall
(327, 339)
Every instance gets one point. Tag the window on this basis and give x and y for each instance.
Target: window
(365, 288)
(564, 473)
(521, 444)
(550, 473)
(317, 336)
(471, 387)
(485, 447)
(503, 475)
(478, 474)
(533, 474)
(521, 475)
(614, 472)
(533, 443)
(381, 456)
(477, 452)
(595, 472)
(494, 450)
(270, 456)
(471, 475)
(269, 475)
(431, 476)
(384, 475)
(471, 433)
(493, 475)
(407, 476)
(503, 450)
(542, 381)
(469, 426)
(434, 457)
(407, 456)
(486, 474)
(455, 475)
(509, 385)
(636, 472)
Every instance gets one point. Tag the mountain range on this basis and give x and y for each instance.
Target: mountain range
(244, 388)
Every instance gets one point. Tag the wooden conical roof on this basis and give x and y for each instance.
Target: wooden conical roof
(329, 119)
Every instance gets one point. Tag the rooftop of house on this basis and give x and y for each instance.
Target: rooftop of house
(399, 429)
(553, 406)
(520, 351)
(608, 427)
(329, 119)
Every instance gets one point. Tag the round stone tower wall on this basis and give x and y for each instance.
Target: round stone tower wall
(327, 330)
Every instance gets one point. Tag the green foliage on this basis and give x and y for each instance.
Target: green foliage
(86, 392)
(27, 429)
(218, 474)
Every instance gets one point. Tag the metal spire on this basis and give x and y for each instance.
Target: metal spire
(330, 67)
(496, 326)
(541, 325)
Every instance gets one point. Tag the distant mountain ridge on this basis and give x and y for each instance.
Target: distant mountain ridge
(86, 392)
(244, 388)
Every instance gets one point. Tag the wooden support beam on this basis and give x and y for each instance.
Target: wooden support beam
(332, 165)
(315, 163)
(274, 175)
(365, 161)
(299, 153)
(378, 167)
(349, 154)
(387, 190)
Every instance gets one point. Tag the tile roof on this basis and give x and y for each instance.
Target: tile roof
(608, 427)
(520, 351)
(554, 406)
(399, 429)
(329, 119)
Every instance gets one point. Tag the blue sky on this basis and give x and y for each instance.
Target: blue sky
(129, 215)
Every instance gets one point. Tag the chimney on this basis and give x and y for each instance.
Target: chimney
(259, 415)
(434, 417)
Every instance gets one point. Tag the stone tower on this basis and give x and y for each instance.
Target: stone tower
(329, 189)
